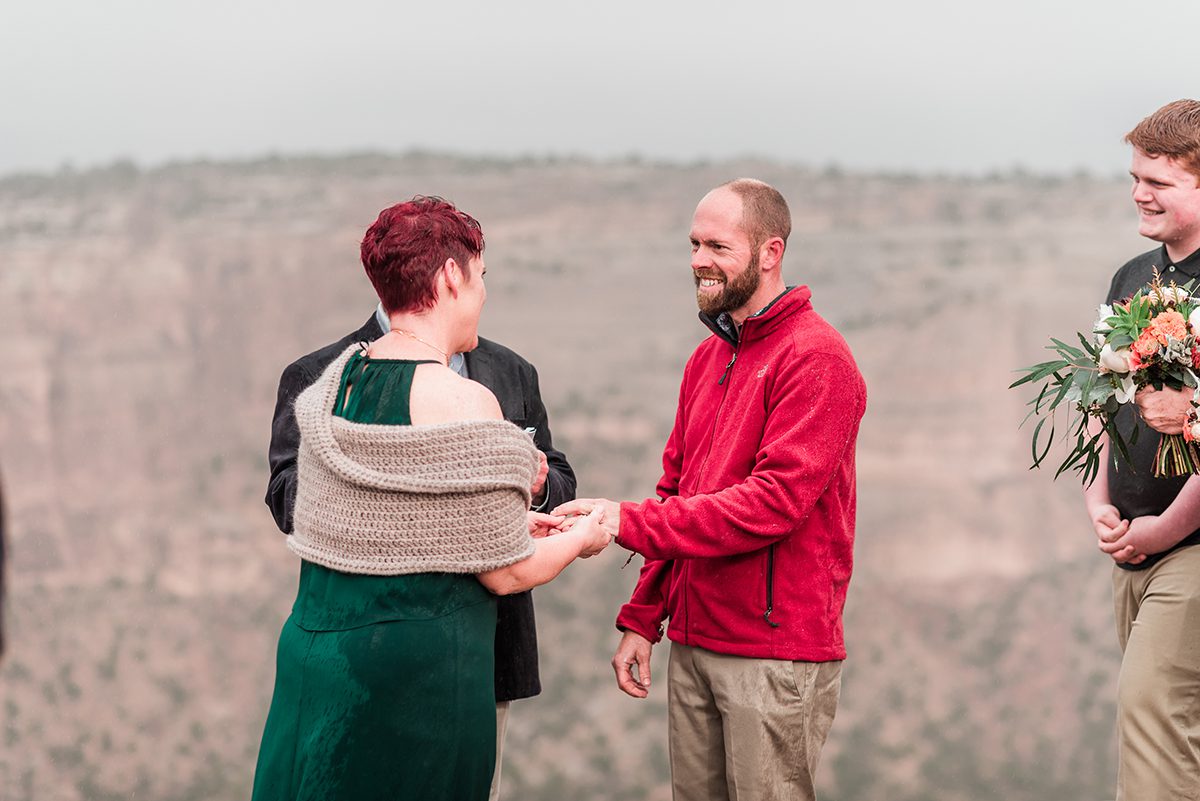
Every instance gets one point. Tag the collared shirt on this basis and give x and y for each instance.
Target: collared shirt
(1182, 271)
(1133, 489)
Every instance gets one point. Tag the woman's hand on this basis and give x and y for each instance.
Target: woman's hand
(543, 525)
(591, 530)
(611, 519)
(554, 548)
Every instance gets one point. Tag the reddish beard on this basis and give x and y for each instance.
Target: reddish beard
(734, 294)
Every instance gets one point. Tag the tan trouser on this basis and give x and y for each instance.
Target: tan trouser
(1158, 695)
(501, 726)
(747, 729)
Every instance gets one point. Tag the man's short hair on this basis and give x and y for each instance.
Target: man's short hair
(765, 213)
(405, 247)
(1172, 131)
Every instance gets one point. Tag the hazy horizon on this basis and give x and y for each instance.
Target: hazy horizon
(550, 157)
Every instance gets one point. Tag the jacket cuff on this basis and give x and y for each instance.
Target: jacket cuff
(629, 620)
(629, 536)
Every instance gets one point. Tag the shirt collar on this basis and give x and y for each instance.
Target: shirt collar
(1189, 265)
(381, 317)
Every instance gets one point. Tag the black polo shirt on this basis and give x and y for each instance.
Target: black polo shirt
(1136, 492)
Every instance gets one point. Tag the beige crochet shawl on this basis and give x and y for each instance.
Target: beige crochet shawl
(389, 499)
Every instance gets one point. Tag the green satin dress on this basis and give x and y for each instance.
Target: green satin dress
(384, 685)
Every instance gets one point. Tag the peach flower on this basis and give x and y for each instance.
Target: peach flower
(1146, 345)
(1168, 324)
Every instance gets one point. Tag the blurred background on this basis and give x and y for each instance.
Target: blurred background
(182, 192)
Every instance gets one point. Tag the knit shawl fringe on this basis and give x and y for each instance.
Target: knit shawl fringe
(391, 500)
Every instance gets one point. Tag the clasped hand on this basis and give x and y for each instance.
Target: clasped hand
(589, 527)
(1111, 532)
(611, 512)
(1130, 541)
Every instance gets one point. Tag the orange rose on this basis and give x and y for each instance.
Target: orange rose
(1146, 344)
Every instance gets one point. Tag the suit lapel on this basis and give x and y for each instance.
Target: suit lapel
(494, 372)
(480, 368)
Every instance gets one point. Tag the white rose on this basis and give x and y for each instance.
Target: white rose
(1114, 361)
(1195, 431)
(1194, 320)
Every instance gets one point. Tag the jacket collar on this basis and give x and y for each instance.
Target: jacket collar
(371, 330)
(792, 300)
(479, 366)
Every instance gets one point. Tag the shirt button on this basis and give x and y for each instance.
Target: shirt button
(1171, 269)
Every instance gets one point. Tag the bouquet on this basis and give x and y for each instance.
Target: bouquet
(1152, 339)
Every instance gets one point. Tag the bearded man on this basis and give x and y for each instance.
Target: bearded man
(749, 543)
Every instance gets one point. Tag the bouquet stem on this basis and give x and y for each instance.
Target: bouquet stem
(1176, 457)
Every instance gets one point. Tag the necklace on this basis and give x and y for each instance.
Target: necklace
(411, 335)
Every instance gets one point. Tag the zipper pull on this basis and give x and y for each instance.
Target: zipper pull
(770, 588)
(727, 368)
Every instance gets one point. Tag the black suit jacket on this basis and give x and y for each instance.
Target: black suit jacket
(514, 382)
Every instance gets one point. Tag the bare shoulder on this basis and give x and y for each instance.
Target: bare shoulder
(439, 395)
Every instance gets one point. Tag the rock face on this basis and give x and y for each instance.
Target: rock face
(145, 317)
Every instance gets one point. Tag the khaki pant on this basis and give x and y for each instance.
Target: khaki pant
(1158, 696)
(501, 727)
(747, 729)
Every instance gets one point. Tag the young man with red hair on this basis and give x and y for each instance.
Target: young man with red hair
(421, 234)
(749, 544)
(1149, 526)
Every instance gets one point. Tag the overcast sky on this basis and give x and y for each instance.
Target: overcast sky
(914, 85)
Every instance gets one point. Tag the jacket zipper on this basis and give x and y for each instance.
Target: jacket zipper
(687, 618)
(717, 414)
(770, 587)
(716, 417)
(728, 367)
(771, 550)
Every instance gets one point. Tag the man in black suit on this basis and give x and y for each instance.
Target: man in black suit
(514, 382)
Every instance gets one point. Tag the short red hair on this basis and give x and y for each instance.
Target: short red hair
(1172, 131)
(405, 247)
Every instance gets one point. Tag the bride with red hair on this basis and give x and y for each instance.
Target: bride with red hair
(412, 513)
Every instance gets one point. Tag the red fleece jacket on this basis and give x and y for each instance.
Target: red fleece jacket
(749, 546)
